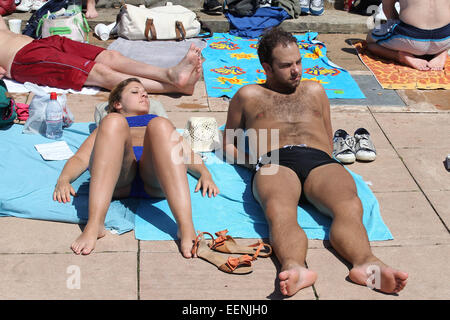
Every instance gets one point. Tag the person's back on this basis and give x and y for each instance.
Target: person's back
(428, 15)
(10, 43)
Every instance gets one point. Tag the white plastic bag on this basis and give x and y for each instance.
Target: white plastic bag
(35, 123)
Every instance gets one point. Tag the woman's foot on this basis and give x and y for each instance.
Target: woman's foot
(377, 275)
(85, 243)
(296, 278)
(438, 62)
(186, 242)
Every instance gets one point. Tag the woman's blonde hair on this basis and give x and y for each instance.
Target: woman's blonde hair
(116, 93)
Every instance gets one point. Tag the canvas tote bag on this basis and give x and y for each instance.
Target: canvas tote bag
(170, 22)
(74, 27)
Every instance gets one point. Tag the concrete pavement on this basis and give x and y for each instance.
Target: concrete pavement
(408, 178)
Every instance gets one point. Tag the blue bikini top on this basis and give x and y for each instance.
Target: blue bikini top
(140, 121)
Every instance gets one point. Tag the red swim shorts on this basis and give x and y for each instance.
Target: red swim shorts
(56, 62)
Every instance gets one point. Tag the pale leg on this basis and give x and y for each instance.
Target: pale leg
(162, 168)
(112, 163)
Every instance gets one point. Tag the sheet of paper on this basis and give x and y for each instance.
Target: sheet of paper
(54, 150)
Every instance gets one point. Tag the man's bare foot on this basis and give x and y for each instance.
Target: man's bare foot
(186, 243)
(91, 12)
(296, 278)
(438, 62)
(412, 61)
(85, 243)
(377, 275)
(181, 75)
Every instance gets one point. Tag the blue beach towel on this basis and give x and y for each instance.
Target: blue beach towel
(235, 209)
(28, 181)
(232, 62)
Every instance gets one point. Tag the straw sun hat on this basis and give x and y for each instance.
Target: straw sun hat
(202, 134)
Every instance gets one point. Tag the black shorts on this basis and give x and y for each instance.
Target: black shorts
(300, 159)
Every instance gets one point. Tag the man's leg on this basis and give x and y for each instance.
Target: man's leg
(91, 11)
(162, 169)
(180, 78)
(399, 56)
(333, 191)
(278, 194)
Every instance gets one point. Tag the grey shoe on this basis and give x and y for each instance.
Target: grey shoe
(316, 7)
(304, 5)
(343, 147)
(364, 148)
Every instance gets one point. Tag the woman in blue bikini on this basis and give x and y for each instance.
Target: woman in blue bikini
(134, 154)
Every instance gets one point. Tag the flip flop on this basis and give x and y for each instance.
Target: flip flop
(226, 244)
(240, 265)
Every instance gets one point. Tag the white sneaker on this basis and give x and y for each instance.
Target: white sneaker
(343, 147)
(37, 4)
(316, 7)
(364, 148)
(25, 5)
(304, 5)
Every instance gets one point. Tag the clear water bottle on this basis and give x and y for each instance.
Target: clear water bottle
(54, 118)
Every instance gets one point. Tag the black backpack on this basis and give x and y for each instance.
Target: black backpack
(33, 22)
(240, 8)
(7, 107)
(365, 7)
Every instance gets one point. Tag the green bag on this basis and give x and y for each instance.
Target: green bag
(7, 107)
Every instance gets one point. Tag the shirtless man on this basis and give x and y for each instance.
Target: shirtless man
(60, 62)
(421, 28)
(303, 168)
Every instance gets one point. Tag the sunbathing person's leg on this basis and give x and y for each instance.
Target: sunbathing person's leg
(162, 168)
(112, 165)
(179, 78)
(402, 57)
(287, 238)
(348, 235)
(91, 12)
(438, 61)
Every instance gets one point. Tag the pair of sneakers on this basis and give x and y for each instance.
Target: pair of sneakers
(212, 7)
(315, 7)
(347, 149)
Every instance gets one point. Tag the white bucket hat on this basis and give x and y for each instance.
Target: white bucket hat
(202, 134)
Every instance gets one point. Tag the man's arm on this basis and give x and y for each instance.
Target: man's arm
(3, 25)
(236, 121)
(389, 9)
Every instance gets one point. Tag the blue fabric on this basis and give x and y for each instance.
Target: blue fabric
(27, 185)
(253, 26)
(235, 209)
(232, 62)
(28, 182)
(140, 121)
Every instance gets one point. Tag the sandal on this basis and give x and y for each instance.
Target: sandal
(226, 244)
(240, 265)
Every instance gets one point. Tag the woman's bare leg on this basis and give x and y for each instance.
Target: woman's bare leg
(91, 11)
(162, 168)
(112, 164)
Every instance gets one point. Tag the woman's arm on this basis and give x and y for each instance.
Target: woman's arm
(389, 9)
(197, 168)
(73, 168)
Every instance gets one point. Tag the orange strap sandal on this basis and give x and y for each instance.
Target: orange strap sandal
(226, 244)
(240, 265)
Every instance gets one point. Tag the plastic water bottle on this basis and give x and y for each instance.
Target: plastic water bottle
(54, 118)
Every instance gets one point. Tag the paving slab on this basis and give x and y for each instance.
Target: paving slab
(38, 236)
(416, 130)
(411, 219)
(196, 279)
(441, 203)
(425, 266)
(67, 276)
